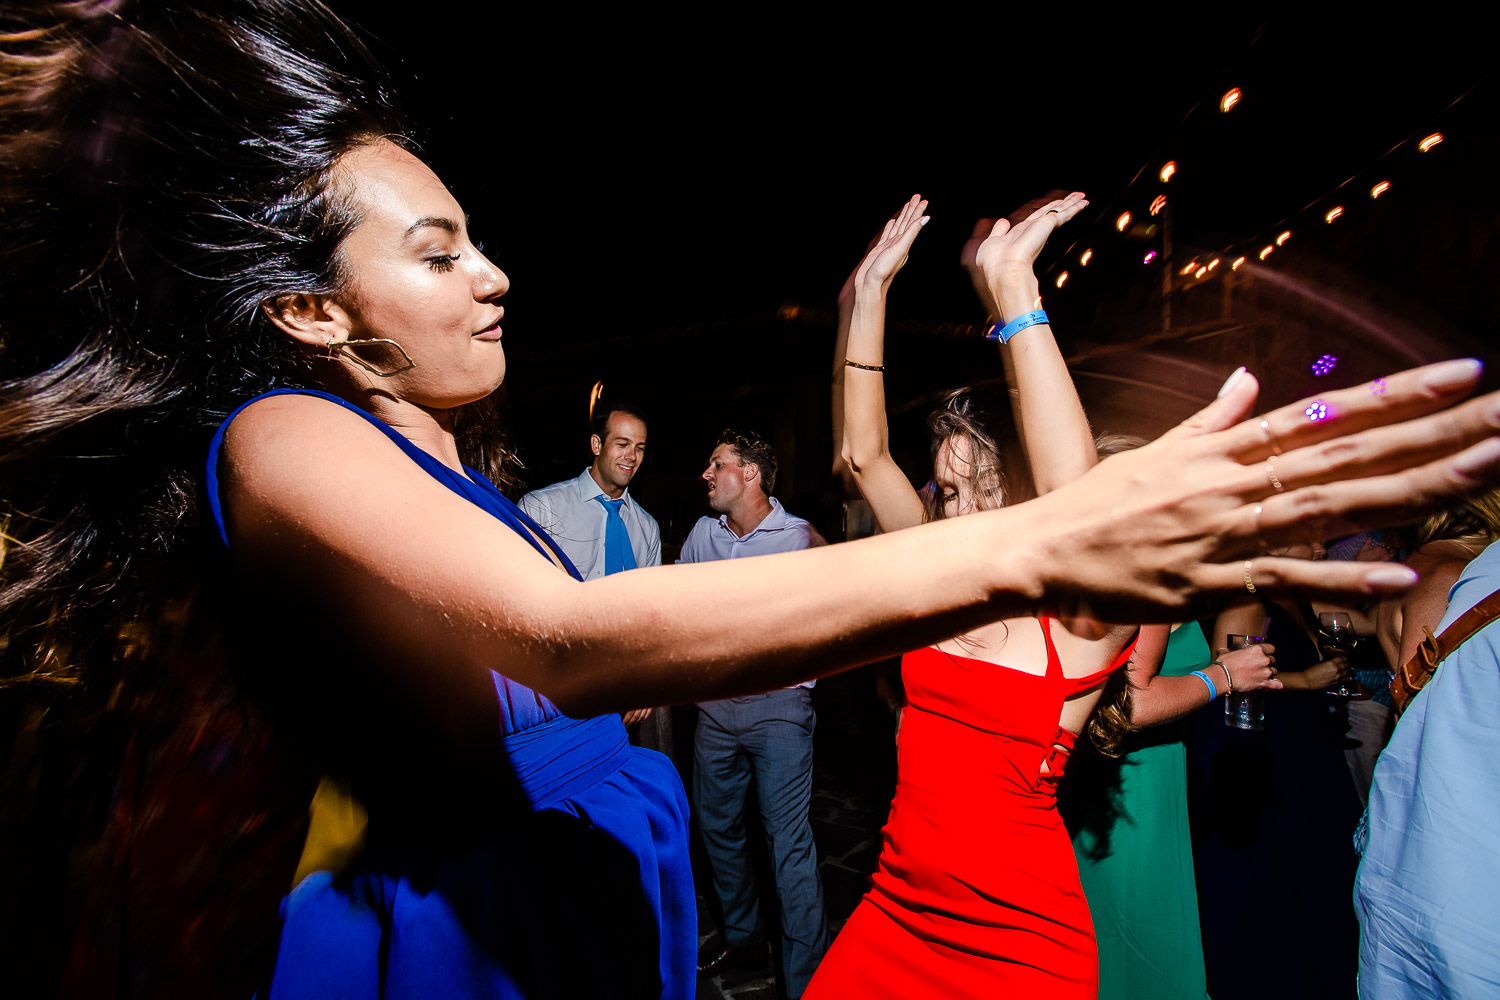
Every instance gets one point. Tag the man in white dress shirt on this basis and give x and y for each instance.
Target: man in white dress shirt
(766, 736)
(602, 530)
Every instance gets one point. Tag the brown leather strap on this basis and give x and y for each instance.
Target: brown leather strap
(1417, 671)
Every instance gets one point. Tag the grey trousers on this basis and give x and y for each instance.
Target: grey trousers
(768, 737)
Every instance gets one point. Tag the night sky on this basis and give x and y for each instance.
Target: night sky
(659, 188)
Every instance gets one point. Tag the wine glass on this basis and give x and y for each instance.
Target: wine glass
(1336, 637)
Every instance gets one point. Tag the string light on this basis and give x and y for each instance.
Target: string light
(594, 395)
(1430, 141)
(1334, 213)
(1158, 203)
(1283, 237)
(1213, 263)
(1150, 256)
(1230, 99)
(1189, 268)
(1324, 364)
(1200, 272)
(1266, 251)
(1122, 221)
(1237, 262)
(1062, 279)
(1380, 189)
(1083, 261)
(1168, 169)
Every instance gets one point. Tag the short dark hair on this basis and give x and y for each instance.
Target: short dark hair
(603, 411)
(752, 449)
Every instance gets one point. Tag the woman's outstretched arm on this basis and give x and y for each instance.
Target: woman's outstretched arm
(333, 523)
(1054, 431)
(865, 440)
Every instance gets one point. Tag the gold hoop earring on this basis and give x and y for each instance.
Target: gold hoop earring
(345, 348)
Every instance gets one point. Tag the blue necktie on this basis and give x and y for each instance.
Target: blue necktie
(617, 553)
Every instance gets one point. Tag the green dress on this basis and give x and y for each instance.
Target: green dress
(1129, 820)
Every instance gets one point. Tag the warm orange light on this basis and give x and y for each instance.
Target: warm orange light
(1122, 221)
(1430, 141)
(1380, 189)
(594, 394)
(1266, 252)
(1158, 203)
(1062, 279)
(1087, 256)
(1200, 272)
(1237, 262)
(1213, 263)
(1168, 169)
(1189, 268)
(1334, 213)
(1283, 237)
(1230, 99)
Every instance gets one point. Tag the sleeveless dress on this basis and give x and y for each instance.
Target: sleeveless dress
(976, 892)
(504, 915)
(1129, 817)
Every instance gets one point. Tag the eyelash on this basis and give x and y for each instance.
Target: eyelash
(444, 263)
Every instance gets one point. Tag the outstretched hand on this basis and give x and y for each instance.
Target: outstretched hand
(1193, 513)
(887, 253)
(1011, 247)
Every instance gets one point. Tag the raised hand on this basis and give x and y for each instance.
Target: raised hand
(888, 252)
(1014, 247)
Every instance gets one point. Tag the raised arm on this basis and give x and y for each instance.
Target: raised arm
(1155, 700)
(865, 444)
(1054, 431)
(436, 591)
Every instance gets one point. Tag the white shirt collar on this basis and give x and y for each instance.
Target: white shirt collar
(587, 489)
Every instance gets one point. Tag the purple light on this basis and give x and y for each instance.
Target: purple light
(1316, 410)
(1377, 387)
(1325, 364)
(1150, 256)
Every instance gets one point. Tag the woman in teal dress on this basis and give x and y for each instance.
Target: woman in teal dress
(1129, 819)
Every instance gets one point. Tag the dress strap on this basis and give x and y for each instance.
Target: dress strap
(1054, 662)
(473, 486)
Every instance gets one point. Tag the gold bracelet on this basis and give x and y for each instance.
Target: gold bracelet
(863, 368)
(1228, 680)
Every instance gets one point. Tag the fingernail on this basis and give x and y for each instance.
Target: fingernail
(1391, 576)
(1478, 458)
(1238, 374)
(924, 220)
(1453, 373)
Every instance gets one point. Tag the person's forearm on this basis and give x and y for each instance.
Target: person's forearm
(866, 436)
(1049, 416)
(1167, 699)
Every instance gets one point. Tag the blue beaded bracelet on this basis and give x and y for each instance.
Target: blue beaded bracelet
(1015, 326)
(1213, 692)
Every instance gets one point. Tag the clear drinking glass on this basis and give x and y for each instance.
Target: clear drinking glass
(1245, 710)
(1336, 638)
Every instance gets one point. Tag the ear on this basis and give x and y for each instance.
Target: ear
(307, 317)
(596, 444)
(751, 473)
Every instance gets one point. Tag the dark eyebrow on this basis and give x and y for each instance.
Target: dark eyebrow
(436, 222)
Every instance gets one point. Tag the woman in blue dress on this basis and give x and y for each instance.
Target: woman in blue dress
(215, 230)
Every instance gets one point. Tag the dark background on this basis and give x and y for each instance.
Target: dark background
(677, 200)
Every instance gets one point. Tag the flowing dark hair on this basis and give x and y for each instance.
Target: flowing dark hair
(168, 167)
(959, 416)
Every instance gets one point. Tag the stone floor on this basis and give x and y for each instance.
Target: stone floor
(847, 815)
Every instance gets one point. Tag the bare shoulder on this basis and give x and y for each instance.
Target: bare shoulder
(278, 433)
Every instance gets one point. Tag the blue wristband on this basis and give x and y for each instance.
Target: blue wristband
(1213, 692)
(1015, 326)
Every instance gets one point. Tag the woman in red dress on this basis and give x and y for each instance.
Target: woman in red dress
(976, 893)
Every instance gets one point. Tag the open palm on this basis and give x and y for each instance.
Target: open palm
(889, 251)
(1014, 247)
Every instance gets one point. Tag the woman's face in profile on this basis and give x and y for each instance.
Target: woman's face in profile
(416, 278)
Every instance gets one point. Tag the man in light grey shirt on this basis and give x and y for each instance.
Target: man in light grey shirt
(602, 530)
(766, 736)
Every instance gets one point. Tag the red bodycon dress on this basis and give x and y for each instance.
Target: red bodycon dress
(976, 893)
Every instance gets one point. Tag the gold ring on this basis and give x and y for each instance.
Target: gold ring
(1249, 583)
(1271, 474)
(1265, 429)
(1260, 542)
